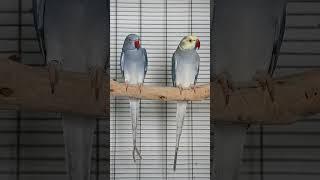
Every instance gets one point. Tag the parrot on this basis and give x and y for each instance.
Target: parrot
(248, 36)
(71, 38)
(134, 64)
(185, 70)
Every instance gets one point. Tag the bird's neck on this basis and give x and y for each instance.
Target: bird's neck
(185, 50)
(130, 50)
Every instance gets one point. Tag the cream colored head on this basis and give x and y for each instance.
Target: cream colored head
(189, 42)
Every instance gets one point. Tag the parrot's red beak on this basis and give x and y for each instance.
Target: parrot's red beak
(137, 44)
(198, 43)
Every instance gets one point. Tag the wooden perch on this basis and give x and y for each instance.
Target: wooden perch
(295, 96)
(160, 93)
(28, 88)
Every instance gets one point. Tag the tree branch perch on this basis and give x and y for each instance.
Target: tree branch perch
(160, 93)
(28, 88)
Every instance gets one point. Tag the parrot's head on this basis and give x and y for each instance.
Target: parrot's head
(189, 42)
(132, 41)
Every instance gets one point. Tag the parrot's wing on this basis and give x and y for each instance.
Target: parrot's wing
(173, 69)
(197, 67)
(145, 61)
(122, 63)
(279, 34)
(38, 7)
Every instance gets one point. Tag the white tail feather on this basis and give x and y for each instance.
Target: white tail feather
(134, 109)
(181, 111)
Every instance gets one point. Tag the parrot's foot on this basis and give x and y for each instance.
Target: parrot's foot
(226, 85)
(126, 84)
(96, 77)
(180, 89)
(265, 81)
(134, 151)
(53, 69)
(193, 87)
(140, 87)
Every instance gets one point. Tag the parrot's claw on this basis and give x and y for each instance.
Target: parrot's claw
(193, 87)
(126, 85)
(53, 74)
(180, 89)
(265, 81)
(227, 87)
(140, 87)
(96, 77)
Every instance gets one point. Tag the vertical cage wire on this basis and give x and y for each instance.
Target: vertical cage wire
(19, 112)
(165, 126)
(140, 112)
(212, 71)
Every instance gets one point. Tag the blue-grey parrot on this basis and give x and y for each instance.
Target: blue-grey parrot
(248, 37)
(134, 64)
(72, 35)
(185, 70)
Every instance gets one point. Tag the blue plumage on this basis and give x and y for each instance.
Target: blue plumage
(134, 64)
(185, 70)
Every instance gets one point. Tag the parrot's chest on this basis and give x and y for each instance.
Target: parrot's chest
(185, 72)
(134, 66)
(134, 61)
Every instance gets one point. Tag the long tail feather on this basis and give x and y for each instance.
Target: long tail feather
(229, 142)
(78, 137)
(181, 111)
(134, 109)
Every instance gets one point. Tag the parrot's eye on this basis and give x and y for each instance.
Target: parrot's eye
(190, 40)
